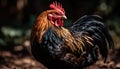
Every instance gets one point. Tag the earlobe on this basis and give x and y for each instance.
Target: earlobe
(50, 17)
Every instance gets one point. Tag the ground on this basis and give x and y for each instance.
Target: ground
(19, 57)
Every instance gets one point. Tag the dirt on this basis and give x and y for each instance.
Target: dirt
(19, 57)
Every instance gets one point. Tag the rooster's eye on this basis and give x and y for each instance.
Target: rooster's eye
(56, 13)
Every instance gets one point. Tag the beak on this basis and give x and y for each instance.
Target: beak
(64, 17)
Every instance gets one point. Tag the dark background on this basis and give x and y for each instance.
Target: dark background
(17, 18)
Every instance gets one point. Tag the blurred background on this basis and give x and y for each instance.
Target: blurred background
(17, 18)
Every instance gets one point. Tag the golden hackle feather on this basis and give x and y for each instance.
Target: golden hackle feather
(88, 39)
(41, 25)
(75, 44)
(65, 34)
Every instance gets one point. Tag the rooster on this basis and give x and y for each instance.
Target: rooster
(78, 47)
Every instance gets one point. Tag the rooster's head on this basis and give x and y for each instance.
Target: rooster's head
(57, 17)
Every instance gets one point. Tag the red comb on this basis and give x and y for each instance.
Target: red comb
(57, 6)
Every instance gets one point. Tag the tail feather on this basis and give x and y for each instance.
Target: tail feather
(94, 26)
(100, 40)
(88, 18)
(109, 39)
